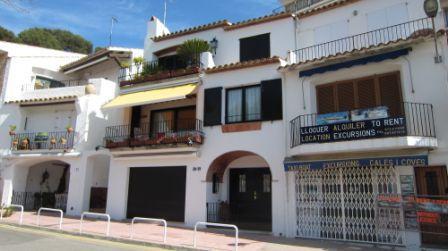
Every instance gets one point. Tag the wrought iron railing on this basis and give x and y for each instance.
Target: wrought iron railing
(296, 6)
(53, 84)
(369, 39)
(164, 132)
(33, 201)
(156, 70)
(419, 122)
(42, 141)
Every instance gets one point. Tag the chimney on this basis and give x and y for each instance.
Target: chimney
(155, 28)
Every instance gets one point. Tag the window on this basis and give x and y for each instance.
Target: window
(46, 83)
(242, 183)
(243, 104)
(369, 92)
(266, 183)
(171, 120)
(256, 47)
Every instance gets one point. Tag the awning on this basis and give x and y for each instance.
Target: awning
(152, 96)
(356, 62)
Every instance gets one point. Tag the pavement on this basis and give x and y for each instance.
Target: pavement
(178, 237)
(20, 239)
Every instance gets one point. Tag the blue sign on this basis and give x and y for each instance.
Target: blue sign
(418, 160)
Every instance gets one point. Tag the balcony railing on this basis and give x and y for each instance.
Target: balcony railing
(166, 132)
(42, 141)
(415, 119)
(297, 5)
(369, 39)
(53, 84)
(154, 70)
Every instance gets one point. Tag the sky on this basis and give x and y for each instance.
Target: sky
(92, 18)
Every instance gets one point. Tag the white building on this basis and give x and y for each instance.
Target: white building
(51, 124)
(323, 122)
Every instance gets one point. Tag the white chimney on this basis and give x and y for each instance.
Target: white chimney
(155, 28)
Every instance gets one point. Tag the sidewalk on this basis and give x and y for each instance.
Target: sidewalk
(179, 237)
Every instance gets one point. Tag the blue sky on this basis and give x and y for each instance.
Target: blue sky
(91, 18)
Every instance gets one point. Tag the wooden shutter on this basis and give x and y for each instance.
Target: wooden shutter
(346, 96)
(212, 106)
(255, 47)
(366, 93)
(326, 102)
(390, 93)
(135, 118)
(271, 100)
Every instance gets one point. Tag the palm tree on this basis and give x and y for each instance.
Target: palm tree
(191, 50)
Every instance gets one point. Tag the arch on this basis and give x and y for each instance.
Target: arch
(220, 164)
(41, 183)
(239, 190)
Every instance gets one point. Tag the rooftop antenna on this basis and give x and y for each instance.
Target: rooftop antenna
(113, 21)
(165, 10)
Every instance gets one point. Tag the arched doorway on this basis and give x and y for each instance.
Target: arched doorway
(43, 184)
(239, 191)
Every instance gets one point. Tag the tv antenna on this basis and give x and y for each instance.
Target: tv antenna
(112, 22)
(165, 10)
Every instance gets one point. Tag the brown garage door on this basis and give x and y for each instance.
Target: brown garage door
(157, 192)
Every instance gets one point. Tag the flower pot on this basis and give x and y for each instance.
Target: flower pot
(70, 129)
(53, 141)
(12, 133)
(63, 141)
(15, 142)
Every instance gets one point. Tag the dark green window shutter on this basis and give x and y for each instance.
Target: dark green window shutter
(271, 100)
(212, 106)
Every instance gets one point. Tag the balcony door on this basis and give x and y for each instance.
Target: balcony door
(173, 120)
(368, 92)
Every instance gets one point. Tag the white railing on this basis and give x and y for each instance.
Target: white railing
(61, 215)
(13, 206)
(98, 215)
(165, 225)
(216, 225)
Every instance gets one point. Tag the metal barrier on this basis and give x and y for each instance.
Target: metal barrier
(216, 225)
(149, 220)
(95, 214)
(13, 206)
(61, 213)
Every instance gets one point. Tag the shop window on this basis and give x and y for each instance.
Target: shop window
(256, 47)
(369, 92)
(215, 187)
(242, 183)
(266, 183)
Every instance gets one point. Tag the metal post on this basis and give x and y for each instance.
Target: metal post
(438, 59)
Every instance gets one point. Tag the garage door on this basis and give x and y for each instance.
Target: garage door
(157, 192)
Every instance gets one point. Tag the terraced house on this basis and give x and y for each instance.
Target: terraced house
(323, 120)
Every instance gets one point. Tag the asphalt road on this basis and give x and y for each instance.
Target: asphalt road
(18, 239)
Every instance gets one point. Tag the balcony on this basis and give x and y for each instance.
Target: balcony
(364, 130)
(43, 141)
(160, 134)
(156, 70)
(384, 36)
(297, 5)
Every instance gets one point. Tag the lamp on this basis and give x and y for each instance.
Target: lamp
(431, 8)
(214, 45)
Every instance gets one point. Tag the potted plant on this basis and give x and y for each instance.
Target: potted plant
(15, 143)
(53, 140)
(25, 143)
(63, 141)
(69, 129)
(12, 130)
(191, 50)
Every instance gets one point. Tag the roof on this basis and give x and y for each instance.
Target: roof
(412, 39)
(226, 25)
(324, 7)
(111, 52)
(192, 30)
(259, 20)
(242, 65)
(25, 50)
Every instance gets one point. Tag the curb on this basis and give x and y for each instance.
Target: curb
(105, 238)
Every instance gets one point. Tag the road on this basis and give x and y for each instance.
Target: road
(18, 239)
